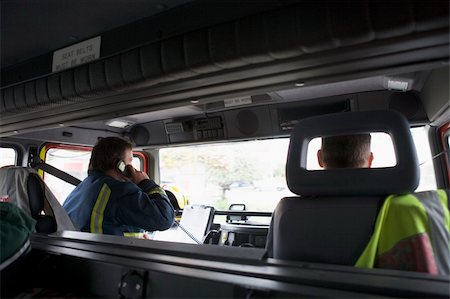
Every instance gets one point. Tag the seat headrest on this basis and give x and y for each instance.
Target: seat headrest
(400, 179)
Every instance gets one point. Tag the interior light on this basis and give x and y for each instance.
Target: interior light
(195, 101)
(299, 84)
(119, 123)
(397, 85)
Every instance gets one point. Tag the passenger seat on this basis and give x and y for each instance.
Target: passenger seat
(23, 187)
(333, 217)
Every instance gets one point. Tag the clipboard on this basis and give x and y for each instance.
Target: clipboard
(195, 223)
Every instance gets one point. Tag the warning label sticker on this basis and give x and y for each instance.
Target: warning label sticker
(77, 54)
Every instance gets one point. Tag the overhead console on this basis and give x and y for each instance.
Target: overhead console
(200, 129)
(184, 130)
(263, 121)
(269, 120)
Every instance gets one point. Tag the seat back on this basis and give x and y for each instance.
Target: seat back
(173, 200)
(36, 197)
(332, 219)
(333, 230)
(25, 188)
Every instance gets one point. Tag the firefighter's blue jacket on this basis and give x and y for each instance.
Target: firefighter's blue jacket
(102, 204)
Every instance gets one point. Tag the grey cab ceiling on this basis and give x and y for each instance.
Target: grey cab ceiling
(186, 57)
(33, 28)
(30, 29)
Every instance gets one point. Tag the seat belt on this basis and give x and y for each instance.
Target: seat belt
(57, 173)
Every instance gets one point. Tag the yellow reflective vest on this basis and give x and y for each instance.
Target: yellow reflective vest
(412, 233)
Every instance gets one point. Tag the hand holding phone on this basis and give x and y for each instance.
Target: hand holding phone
(123, 168)
(130, 172)
(137, 176)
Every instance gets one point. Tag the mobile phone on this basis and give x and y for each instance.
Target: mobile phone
(123, 168)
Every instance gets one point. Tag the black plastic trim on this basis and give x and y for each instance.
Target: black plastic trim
(295, 279)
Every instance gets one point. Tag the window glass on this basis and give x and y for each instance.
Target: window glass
(249, 172)
(427, 175)
(138, 162)
(8, 156)
(74, 161)
(253, 172)
(380, 145)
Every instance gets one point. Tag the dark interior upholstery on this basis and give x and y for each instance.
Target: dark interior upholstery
(335, 229)
(44, 223)
(332, 219)
(173, 200)
(403, 178)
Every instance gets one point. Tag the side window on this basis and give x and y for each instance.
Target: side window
(71, 159)
(8, 156)
(75, 161)
(140, 161)
(427, 174)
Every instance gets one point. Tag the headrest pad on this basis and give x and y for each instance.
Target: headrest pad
(400, 179)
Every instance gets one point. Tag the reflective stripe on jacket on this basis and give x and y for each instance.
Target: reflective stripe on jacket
(411, 233)
(102, 204)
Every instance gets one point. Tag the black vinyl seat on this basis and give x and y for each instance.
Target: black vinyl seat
(26, 197)
(36, 196)
(333, 217)
(25, 188)
(173, 200)
(331, 230)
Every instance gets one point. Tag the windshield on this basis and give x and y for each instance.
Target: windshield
(248, 172)
(253, 172)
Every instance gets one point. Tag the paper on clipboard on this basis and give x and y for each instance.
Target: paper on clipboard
(195, 220)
